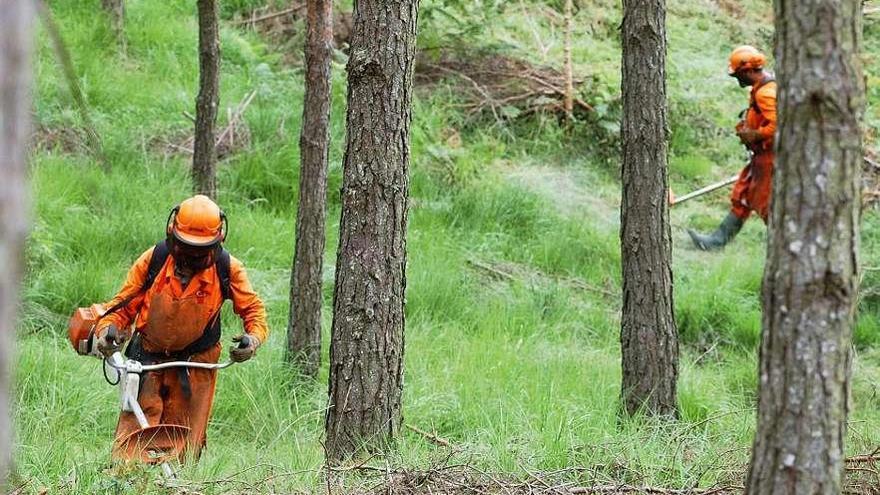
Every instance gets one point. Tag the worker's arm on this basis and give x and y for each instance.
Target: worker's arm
(131, 289)
(246, 303)
(765, 98)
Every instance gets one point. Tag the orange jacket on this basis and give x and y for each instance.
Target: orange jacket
(763, 96)
(245, 301)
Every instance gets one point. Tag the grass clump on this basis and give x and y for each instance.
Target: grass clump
(517, 365)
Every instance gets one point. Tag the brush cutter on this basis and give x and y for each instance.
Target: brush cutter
(157, 443)
(699, 192)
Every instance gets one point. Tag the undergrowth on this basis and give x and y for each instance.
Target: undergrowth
(519, 371)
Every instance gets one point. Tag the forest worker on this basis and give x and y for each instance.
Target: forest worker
(173, 295)
(752, 190)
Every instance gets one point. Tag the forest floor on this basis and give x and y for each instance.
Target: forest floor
(512, 351)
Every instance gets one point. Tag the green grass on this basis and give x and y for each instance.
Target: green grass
(518, 372)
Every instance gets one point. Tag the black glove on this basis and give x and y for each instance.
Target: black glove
(108, 340)
(246, 348)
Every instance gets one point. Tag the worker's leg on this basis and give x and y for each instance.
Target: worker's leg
(733, 222)
(760, 194)
(739, 195)
(194, 409)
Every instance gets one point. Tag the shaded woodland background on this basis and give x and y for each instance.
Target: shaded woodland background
(513, 279)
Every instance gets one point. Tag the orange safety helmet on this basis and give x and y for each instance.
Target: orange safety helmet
(197, 221)
(745, 57)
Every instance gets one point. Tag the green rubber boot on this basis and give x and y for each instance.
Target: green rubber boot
(725, 233)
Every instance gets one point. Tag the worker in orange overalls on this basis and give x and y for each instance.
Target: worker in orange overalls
(752, 191)
(172, 298)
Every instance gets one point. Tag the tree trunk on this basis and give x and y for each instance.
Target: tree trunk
(811, 277)
(568, 100)
(366, 347)
(204, 154)
(16, 31)
(648, 336)
(62, 54)
(116, 10)
(304, 326)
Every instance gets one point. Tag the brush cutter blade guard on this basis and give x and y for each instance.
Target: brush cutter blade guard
(154, 444)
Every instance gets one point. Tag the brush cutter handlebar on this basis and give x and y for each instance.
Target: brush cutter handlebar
(132, 366)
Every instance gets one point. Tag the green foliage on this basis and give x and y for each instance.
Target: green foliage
(513, 256)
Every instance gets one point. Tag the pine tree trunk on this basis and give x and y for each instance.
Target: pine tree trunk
(811, 277)
(16, 31)
(366, 348)
(204, 154)
(568, 100)
(304, 326)
(116, 10)
(648, 336)
(67, 69)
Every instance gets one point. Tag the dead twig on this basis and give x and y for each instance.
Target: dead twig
(491, 269)
(872, 457)
(618, 489)
(239, 111)
(430, 436)
(273, 15)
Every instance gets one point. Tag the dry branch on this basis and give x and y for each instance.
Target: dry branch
(513, 272)
(622, 489)
(501, 86)
(267, 17)
(225, 142)
(430, 436)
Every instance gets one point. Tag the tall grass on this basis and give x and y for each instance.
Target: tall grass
(519, 371)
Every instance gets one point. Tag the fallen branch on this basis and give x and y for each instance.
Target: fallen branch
(239, 111)
(872, 457)
(491, 269)
(228, 132)
(273, 15)
(430, 436)
(615, 489)
(505, 87)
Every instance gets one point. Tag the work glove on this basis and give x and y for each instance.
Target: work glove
(245, 350)
(749, 136)
(108, 340)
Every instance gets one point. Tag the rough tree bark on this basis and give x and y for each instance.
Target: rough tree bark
(811, 277)
(366, 347)
(304, 325)
(116, 10)
(16, 31)
(204, 168)
(648, 336)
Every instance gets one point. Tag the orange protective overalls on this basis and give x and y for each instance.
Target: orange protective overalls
(168, 317)
(753, 190)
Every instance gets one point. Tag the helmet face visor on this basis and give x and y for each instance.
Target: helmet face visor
(194, 258)
(207, 239)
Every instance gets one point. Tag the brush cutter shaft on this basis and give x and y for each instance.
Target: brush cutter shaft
(705, 190)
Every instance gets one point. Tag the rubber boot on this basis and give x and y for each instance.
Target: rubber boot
(725, 232)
